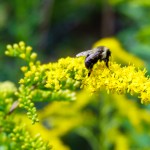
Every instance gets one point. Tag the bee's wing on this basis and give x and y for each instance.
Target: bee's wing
(85, 53)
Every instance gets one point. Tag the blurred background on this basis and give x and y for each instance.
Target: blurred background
(58, 29)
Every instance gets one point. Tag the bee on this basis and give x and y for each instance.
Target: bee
(92, 56)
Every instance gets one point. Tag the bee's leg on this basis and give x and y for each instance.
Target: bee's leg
(89, 73)
(90, 67)
(107, 64)
(106, 61)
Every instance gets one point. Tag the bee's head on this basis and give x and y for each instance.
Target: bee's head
(105, 52)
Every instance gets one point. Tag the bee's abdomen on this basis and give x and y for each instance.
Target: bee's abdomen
(89, 62)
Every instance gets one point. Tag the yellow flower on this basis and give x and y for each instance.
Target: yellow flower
(24, 68)
(22, 56)
(33, 56)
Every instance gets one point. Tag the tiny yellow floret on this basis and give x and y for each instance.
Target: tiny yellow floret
(24, 68)
(33, 56)
(28, 49)
(9, 47)
(23, 56)
(21, 43)
(21, 81)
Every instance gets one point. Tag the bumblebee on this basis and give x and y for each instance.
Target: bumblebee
(92, 56)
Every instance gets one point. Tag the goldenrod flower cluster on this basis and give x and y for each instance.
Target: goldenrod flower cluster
(61, 80)
(116, 79)
(24, 91)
